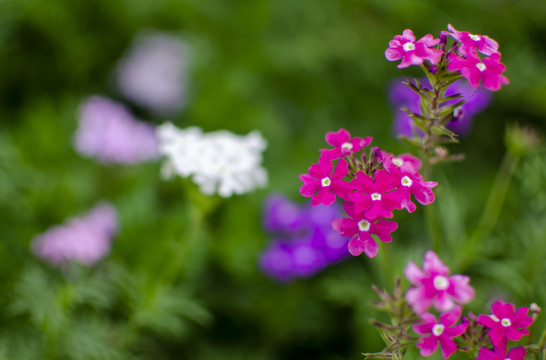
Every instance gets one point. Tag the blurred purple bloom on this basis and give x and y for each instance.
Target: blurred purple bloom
(85, 239)
(153, 73)
(304, 241)
(401, 95)
(109, 133)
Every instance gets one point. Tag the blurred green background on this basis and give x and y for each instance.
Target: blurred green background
(293, 70)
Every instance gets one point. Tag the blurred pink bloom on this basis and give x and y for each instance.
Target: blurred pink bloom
(440, 332)
(413, 52)
(343, 144)
(433, 286)
(506, 323)
(469, 43)
(86, 239)
(109, 133)
(517, 353)
(322, 185)
(474, 69)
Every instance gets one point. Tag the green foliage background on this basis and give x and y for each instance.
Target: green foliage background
(182, 280)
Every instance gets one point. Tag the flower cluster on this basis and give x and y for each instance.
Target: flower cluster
(304, 243)
(108, 132)
(461, 58)
(84, 240)
(370, 186)
(218, 161)
(401, 96)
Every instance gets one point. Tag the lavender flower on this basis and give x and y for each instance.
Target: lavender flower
(153, 73)
(401, 95)
(304, 241)
(109, 133)
(84, 239)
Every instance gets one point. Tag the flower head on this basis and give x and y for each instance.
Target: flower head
(433, 286)
(413, 52)
(470, 43)
(488, 71)
(439, 332)
(323, 185)
(517, 353)
(84, 240)
(109, 133)
(343, 144)
(505, 322)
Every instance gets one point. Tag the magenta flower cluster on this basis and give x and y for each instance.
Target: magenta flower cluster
(371, 187)
(463, 57)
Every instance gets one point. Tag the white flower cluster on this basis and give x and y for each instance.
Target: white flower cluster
(218, 161)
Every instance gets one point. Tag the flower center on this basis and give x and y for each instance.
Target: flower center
(347, 146)
(440, 282)
(458, 112)
(397, 161)
(326, 182)
(494, 318)
(474, 37)
(364, 225)
(409, 46)
(438, 329)
(406, 181)
(506, 322)
(376, 196)
(480, 66)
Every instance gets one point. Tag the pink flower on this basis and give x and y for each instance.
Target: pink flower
(470, 42)
(406, 162)
(343, 144)
(474, 69)
(410, 183)
(322, 185)
(413, 52)
(439, 332)
(373, 196)
(363, 228)
(433, 286)
(505, 323)
(517, 353)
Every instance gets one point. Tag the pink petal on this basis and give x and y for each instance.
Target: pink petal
(414, 274)
(460, 288)
(345, 227)
(417, 299)
(486, 321)
(370, 247)
(433, 265)
(447, 346)
(408, 35)
(309, 189)
(517, 353)
(443, 302)
(393, 54)
(496, 334)
(338, 138)
(356, 246)
(486, 354)
(324, 196)
(457, 330)
(422, 194)
(450, 318)
(514, 334)
(428, 345)
(341, 170)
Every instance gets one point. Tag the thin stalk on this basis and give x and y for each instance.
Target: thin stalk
(388, 269)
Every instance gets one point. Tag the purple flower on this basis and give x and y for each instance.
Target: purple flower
(439, 332)
(506, 323)
(304, 242)
(85, 240)
(488, 71)
(433, 286)
(154, 72)
(343, 144)
(109, 133)
(322, 185)
(402, 96)
(413, 52)
(517, 353)
(470, 43)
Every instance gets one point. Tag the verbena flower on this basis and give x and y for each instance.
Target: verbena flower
(343, 144)
(304, 243)
(323, 185)
(109, 133)
(154, 72)
(402, 96)
(219, 162)
(439, 332)
(373, 196)
(433, 286)
(470, 43)
(361, 230)
(413, 52)
(488, 71)
(505, 322)
(517, 353)
(85, 239)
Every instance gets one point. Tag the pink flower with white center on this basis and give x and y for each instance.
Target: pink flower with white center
(474, 69)
(440, 332)
(362, 229)
(373, 195)
(409, 183)
(413, 52)
(469, 43)
(323, 185)
(343, 144)
(406, 162)
(517, 353)
(433, 286)
(505, 323)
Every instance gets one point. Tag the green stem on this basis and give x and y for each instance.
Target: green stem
(388, 270)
